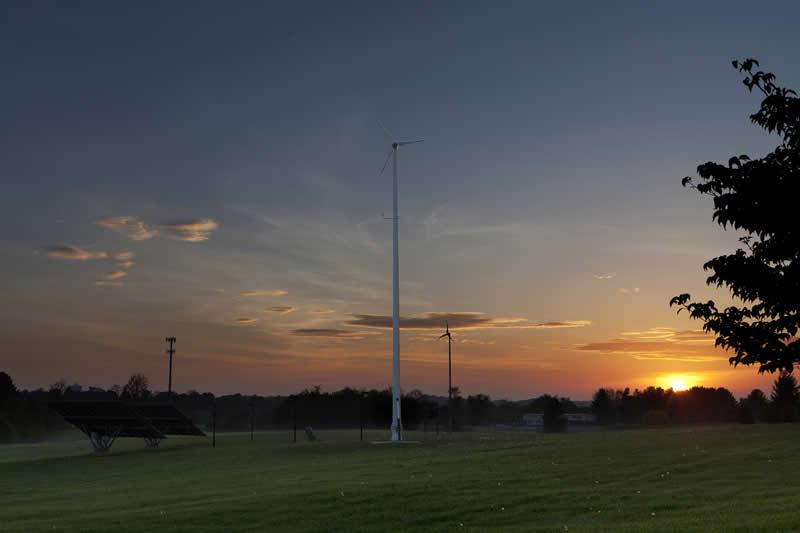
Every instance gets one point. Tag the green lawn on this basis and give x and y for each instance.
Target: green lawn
(675, 479)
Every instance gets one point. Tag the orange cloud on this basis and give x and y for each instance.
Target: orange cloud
(73, 253)
(274, 292)
(124, 259)
(191, 230)
(245, 320)
(281, 309)
(114, 275)
(323, 332)
(691, 346)
(135, 229)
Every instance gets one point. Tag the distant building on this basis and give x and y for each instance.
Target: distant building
(536, 420)
(580, 418)
(75, 387)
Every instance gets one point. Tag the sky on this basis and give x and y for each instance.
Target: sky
(212, 171)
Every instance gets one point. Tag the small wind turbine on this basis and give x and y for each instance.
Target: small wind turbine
(449, 372)
(397, 425)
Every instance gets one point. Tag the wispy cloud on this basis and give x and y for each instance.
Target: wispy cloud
(631, 290)
(563, 324)
(609, 275)
(325, 332)
(74, 253)
(245, 320)
(460, 321)
(281, 309)
(666, 344)
(114, 275)
(124, 259)
(135, 229)
(260, 292)
(197, 230)
(190, 230)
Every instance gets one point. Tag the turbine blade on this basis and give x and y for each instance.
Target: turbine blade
(403, 143)
(389, 133)
(386, 162)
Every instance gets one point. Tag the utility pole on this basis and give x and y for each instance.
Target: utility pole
(294, 417)
(214, 424)
(361, 414)
(171, 352)
(252, 416)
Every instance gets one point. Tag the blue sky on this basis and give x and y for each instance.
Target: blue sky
(556, 138)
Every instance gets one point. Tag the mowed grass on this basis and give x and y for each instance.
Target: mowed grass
(714, 478)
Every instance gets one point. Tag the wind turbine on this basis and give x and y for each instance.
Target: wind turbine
(449, 372)
(397, 424)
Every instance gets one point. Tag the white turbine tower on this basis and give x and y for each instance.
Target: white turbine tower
(397, 424)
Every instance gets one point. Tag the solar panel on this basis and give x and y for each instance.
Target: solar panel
(103, 421)
(167, 419)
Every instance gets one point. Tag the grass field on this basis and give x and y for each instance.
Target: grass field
(675, 479)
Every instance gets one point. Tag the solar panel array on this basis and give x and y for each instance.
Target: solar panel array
(167, 419)
(105, 420)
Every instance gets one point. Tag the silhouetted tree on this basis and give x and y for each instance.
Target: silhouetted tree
(554, 419)
(754, 408)
(136, 388)
(757, 197)
(602, 406)
(785, 397)
(58, 388)
(479, 409)
(8, 391)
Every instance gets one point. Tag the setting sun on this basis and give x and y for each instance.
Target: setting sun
(678, 384)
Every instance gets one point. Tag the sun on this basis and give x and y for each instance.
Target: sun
(678, 384)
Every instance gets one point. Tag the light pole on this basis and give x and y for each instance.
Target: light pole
(397, 424)
(171, 352)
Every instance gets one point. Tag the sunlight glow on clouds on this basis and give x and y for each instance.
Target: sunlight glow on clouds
(459, 321)
(190, 231)
(258, 292)
(610, 275)
(74, 253)
(692, 346)
(136, 230)
(245, 320)
(114, 275)
(281, 309)
(124, 259)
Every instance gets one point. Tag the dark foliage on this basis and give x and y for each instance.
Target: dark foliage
(754, 408)
(8, 392)
(655, 405)
(137, 388)
(554, 419)
(757, 197)
(785, 398)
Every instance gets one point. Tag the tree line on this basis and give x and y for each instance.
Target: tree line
(656, 406)
(25, 415)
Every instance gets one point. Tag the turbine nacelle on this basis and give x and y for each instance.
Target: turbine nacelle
(396, 145)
